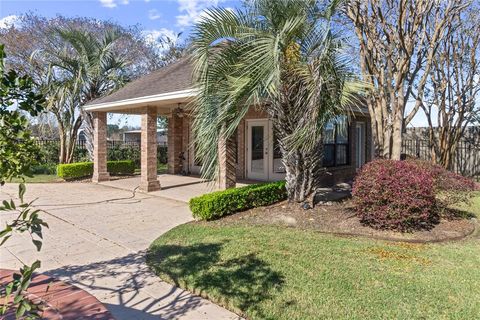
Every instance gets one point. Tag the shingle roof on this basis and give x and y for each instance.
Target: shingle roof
(174, 77)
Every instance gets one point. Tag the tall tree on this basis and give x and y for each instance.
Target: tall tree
(398, 41)
(82, 67)
(80, 59)
(95, 66)
(32, 32)
(452, 99)
(281, 57)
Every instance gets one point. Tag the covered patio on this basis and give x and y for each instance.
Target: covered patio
(179, 145)
(162, 93)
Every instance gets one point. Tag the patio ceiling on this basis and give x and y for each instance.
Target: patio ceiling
(165, 89)
(164, 103)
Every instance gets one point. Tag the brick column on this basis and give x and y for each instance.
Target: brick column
(100, 147)
(175, 143)
(241, 150)
(227, 176)
(149, 181)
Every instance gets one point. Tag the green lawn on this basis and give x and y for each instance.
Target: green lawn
(40, 178)
(285, 273)
(46, 178)
(474, 206)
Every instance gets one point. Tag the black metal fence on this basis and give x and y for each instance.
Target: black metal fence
(467, 157)
(116, 150)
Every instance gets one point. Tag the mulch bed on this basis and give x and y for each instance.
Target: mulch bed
(339, 218)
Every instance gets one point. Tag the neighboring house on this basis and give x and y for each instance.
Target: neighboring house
(168, 91)
(135, 136)
(81, 135)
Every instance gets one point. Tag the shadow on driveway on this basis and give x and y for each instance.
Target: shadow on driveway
(128, 288)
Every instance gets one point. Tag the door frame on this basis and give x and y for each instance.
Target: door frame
(190, 148)
(360, 148)
(248, 163)
(268, 174)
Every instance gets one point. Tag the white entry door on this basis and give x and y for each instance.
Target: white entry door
(263, 154)
(361, 138)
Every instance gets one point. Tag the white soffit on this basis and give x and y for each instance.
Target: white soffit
(163, 98)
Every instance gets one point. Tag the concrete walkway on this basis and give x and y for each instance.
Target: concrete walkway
(98, 243)
(174, 187)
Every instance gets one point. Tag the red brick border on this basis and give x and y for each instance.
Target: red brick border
(59, 299)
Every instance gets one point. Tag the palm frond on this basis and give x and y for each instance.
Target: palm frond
(241, 58)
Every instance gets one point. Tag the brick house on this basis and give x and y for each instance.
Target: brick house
(167, 92)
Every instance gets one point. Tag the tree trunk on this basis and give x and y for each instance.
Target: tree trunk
(71, 147)
(397, 136)
(88, 131)
(63, 138)
(303, 172)
(298, 179)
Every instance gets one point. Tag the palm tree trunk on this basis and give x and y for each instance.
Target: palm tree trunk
(303, 168)
(303, 173)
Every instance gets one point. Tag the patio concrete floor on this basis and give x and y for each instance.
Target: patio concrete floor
(97, 239)
(174, 187)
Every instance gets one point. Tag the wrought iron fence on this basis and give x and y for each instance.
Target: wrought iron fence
(467, 157)
(117, 150)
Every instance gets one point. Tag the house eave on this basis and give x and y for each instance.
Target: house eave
(163, 99)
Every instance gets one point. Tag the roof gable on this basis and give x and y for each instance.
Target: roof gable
(174, 77)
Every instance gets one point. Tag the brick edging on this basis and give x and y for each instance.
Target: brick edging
(60, 300)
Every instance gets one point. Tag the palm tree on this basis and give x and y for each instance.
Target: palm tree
(83, 67)
(282, 57)
(97, 64)
(63, 102)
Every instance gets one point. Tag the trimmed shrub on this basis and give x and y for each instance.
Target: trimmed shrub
(217, 204)
(132, 152)
(121, 167)
(124, 152)
(75, 170)
(85, 169)
(450, 188)
(398, 195)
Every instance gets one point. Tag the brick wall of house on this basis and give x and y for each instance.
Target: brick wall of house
(252, 114)
(100, 147)
(185, 142)
(241, 150)
(148, 180)
(332, 175)
(175, 142)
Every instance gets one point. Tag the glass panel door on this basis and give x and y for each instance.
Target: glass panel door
(257, 150)
(257, 143)
(264, 157)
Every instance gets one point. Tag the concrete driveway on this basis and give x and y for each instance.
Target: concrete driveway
(97, 239)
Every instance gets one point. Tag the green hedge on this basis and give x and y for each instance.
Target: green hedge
(217, 204)
(75, 170)
(121, 167)
(85, 169)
